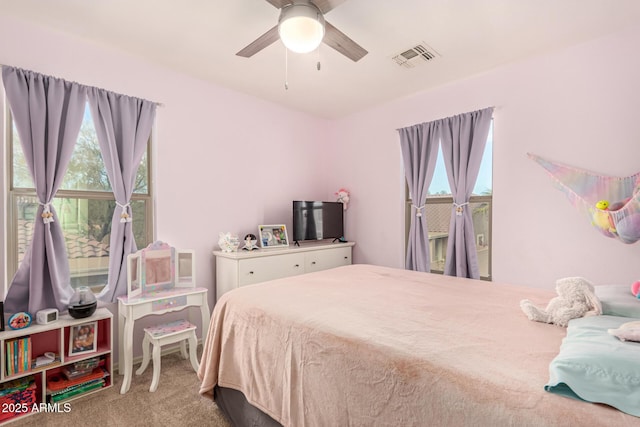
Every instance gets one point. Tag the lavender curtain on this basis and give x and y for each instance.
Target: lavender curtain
(463, 141)
(48, 114)
(419, 145)
(123, 125)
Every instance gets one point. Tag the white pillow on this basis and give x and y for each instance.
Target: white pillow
(629, 331)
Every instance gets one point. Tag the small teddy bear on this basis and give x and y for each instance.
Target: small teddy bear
(576, 298)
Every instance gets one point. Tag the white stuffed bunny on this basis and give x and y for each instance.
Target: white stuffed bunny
(576, 298)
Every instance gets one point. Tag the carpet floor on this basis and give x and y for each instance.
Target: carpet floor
(176, 402)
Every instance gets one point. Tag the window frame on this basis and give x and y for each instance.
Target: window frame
(488, 199)
(12, 194)
(448, 200)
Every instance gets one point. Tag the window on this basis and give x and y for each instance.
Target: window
(84, 205)
(438, 212)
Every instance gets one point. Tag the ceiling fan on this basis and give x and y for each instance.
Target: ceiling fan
(309, 13)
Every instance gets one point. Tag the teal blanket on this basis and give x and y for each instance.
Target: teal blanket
(595, 366)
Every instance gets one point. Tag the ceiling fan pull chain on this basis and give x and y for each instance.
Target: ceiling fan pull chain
(286, 69)
(318, 66)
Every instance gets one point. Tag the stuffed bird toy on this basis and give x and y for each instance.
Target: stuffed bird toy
(602, 218)
(576, 298)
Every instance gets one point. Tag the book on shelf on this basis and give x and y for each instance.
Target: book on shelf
(18, 355)
(18, 384)
(9, 358)
(77, 389)
(60, 388)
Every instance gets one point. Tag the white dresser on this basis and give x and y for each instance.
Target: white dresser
(235, 269)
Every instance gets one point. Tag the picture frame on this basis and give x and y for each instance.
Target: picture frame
(83, 338)
(273, 236)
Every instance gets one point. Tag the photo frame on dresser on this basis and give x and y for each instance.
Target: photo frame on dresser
(273, 236)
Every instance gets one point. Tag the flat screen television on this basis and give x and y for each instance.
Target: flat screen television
(317, 220)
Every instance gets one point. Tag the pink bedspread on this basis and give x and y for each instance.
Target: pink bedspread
(365, 345)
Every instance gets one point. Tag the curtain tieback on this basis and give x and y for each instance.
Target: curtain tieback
(418, 209)
(47, 215)
(460, 207)
(124, 216)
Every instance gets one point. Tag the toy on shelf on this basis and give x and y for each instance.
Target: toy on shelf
(250, 242)
(228, 242)
(343, 197)
(20, 320)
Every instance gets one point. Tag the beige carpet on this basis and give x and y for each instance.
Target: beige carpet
(176, 402)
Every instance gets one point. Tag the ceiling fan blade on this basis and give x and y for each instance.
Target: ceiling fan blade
(324, 5)
(260, 43)
(279, 3)
(343, 44)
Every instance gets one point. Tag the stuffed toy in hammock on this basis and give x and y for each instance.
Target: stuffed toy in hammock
(611, 204)
(576, 298)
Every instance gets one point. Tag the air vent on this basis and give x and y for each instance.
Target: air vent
(417, 55)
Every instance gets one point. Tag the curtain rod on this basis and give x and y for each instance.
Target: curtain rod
(158, 104)
(450, 117)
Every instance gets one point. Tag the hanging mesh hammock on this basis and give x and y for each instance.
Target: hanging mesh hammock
(611, 204)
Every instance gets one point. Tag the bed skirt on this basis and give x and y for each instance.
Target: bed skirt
(239, 411)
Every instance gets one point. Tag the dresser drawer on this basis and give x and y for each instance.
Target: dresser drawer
(257, 270)
(167, 303)
(249, 267)
(328, 258)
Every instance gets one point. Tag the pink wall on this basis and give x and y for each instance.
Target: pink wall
(224, 161)
(227, 161)
(578, 106)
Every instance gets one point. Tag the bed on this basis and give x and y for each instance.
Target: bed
(365, 345)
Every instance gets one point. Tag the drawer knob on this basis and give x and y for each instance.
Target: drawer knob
(297, 265)
(346, 257)
(313, 263)
(251, 272)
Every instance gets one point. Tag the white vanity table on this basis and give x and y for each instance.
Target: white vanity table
(132, 309)
(160, 279)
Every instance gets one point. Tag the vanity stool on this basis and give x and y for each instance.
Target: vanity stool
(168, 333)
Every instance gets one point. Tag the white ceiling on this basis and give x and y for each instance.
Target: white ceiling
(201, 37)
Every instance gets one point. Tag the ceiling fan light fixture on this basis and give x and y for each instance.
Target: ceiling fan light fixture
(301, 27)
